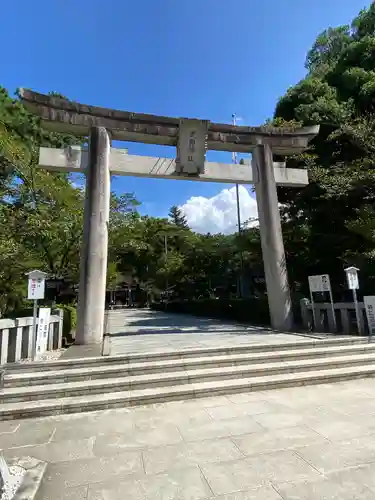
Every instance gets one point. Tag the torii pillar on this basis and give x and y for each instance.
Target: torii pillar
(94, 249)
(275, 269)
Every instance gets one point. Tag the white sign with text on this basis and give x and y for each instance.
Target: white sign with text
(352, 278)
(319, 283)
(42, 330)
(369, 302)
(35, 289)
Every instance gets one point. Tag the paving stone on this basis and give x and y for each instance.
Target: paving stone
(280, 439)
(54, 452)
(264, 493)
(90, 424)
(133, 413)
(23, 437)
(9, 426)
(243, 409)
(181, 484)
(123, 490)
(338, 430)
(220, 428)
(180, 416)
(280, 419)
(357, 406)
(247, 397)
(81, 472)
(186, 454)
(45, 493)
(110, 444)
(324, 489)
(361, 475)
(257, 471)
(300, 398)
(208, 402)
(328, 457)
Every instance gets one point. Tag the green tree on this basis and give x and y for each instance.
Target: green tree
(178, 217)
(322, 226)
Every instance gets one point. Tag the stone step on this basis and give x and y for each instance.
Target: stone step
(105, 371)
(93, 402)
(183, 354)
(179, 378)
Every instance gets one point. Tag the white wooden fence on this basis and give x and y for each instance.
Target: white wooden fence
(16, 337)
(344, 312)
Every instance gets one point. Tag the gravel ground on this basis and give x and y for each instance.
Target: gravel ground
(12, 485)
(47, 356)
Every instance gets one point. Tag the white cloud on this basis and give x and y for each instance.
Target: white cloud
(219, 213)
(78, 181)
(76, 185)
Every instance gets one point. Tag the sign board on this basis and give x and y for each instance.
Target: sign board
(369, 302)
(352, 278)
(191, 146)
(319, 283)
(35, 289)
(36, 285)
(42, 331)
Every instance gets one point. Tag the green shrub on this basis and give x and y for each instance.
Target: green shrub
(70, 319)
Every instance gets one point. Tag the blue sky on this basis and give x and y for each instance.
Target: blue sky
(194, 58)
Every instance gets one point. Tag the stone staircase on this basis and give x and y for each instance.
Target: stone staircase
(88, 384)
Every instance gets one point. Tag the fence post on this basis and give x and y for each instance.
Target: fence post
(18, 349)
(331, 320)
(345, 320)
(106, 342)
(4, 346)
(305, 314)
(60, 328)
(51, 329)
(5, 326)
(320, 315)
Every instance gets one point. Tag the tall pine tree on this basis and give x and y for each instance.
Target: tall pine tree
(178, 217)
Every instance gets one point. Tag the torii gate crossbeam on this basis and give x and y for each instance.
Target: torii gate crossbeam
(192, 138)
(76, 159)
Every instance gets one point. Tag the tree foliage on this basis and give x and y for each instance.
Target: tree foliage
(177, 217)
(332, 219)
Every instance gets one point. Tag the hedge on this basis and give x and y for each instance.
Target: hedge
(70, 320)
(254, 310)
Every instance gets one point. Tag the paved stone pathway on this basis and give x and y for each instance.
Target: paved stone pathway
(305, 443)
(142, 330)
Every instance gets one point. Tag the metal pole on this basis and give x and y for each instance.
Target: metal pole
(33, 333)
(333, 309)
(357, 311)
(234, 160)
(313, 309)
(238, 209)
(166, 259)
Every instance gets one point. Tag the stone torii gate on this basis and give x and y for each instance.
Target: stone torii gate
(192, 138)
